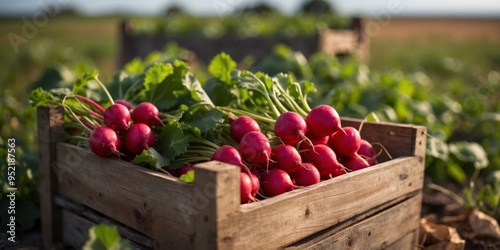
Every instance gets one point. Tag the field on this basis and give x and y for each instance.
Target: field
(453, 57)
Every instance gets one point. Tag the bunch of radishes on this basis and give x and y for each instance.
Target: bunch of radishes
(304, 151)
(127, 130)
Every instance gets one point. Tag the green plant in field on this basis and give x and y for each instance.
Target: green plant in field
(105, 237)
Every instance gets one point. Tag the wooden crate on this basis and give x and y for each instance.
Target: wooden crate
(377, 207)
(337, 42)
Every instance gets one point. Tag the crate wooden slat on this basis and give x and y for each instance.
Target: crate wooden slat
(207, 213)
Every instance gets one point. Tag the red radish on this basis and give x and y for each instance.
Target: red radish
(367, 152)
(326, 177)
(245, 188)
(275, 182)
(104, 141)
(345, 143)
(241, 126)
(139, 137)
(306, 175)
(228, 154)
(338, 171)
(146, 113)
(323, 158)
(355, 163)
(323, 120)
(117, 117)
(290, 127)
(366, 149)
(255, 184)
(287, 158)
(173, 172)
(255, 148)
(124, 103)
(184, 169)
(317, 140)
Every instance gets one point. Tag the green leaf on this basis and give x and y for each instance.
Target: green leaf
(105, 237)
(188, 176)
(206, 121)
(134, 67)
(152, 158)
(372, 117)
(455, 172)
(470, 152)
(221, 67)
(198, 94)
(40, 97)
(172, 140)
(156, 74)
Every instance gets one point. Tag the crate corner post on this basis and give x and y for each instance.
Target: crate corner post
(50, 125)
(216, 201)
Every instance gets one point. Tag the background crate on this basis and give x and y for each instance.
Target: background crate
(377, 207)
(337, 42)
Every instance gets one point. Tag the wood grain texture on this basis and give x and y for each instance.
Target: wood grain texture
(379, 231)
(220, 185)
(148, 201)
(398, 139)
(89, 217)
(294, 215)
(50, 125)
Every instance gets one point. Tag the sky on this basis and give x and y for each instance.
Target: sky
(220, 7)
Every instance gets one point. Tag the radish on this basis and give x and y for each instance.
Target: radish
(117, 117)
(146, 113)
(366, 149)
(255, 184)
(290, 127)
(317, 140)
(241, 126)
(173, 172)
(255, 148)
(345, 143)
(287, 158)
(124, 103)
(184, 169)
(323, 158)
(246, 188)
(338, 171)
(229, 154)
(367, 152)
(326, 177)
(139, 137)
(307, 174)
(104, 141)
(323, 120)
(275, 182)
(355, 163)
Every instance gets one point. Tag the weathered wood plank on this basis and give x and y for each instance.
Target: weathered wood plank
(148, 201)
(379, 231)
(219, 184)
(50, 131)
(408, 241)
(398, 139)
(297, 214)
(94, 218)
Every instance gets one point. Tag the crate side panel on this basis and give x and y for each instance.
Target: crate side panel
(295, 215)
(147, 201)
(398, 139)
(384, 229)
